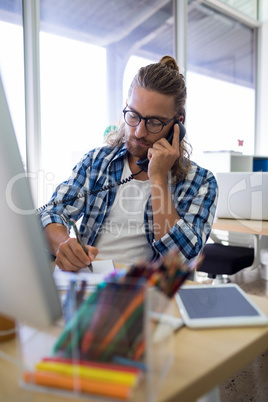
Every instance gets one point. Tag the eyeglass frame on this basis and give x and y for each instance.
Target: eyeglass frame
(146, 120)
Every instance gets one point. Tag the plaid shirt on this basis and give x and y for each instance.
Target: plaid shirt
(194, 199)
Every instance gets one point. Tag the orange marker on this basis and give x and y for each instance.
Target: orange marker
(77, 384)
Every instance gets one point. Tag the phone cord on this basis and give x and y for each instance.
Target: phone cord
(103, 188)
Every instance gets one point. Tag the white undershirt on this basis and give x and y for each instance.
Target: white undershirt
(122, 237)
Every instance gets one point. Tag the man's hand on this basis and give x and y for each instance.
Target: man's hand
(162, 156)
(70, 256)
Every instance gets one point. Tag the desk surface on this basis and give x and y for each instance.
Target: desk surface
(203, 359)
(242, 226)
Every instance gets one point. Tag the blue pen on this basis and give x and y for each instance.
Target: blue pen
(69, 306)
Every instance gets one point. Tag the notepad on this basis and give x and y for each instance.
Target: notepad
(218, 306)
(100, 271)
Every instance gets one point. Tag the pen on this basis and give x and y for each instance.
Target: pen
(80, 241)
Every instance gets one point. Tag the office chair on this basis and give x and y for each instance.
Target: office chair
(227, 256)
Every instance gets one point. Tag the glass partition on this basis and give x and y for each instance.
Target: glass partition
(246, 7)
(220, 81)
(88, 54)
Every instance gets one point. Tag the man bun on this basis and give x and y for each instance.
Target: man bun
(170, 62)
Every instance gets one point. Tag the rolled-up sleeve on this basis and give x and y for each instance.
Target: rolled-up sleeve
(195, 200)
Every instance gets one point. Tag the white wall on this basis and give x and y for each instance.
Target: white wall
(262, 87)
(262, 84)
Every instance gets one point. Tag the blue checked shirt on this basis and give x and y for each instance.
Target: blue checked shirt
(194, 198)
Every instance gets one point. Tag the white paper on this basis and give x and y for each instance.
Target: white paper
(101, 269)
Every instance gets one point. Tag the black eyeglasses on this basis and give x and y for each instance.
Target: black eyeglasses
(152, 124)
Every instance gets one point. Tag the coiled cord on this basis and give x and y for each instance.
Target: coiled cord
(77, 197)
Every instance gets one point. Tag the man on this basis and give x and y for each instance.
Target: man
(170, 205)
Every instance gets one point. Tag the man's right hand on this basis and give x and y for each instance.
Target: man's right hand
(70, 256)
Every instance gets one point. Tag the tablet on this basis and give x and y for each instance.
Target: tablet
(218, 306)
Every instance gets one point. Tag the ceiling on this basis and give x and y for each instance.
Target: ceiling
(216, 45)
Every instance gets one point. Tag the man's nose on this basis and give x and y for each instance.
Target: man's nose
(141, 130)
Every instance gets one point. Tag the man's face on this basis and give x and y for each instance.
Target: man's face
(147, 104)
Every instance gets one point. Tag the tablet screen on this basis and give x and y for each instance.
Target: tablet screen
(219, 305)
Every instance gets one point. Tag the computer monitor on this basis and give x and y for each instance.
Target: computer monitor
(27, 289)
(242, 195)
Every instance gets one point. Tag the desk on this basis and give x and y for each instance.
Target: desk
(203, 359)
(242, 226)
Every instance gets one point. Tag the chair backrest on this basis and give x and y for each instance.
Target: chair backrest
(232, 238)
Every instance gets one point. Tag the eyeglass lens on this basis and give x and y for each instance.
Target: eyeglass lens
(133, 120)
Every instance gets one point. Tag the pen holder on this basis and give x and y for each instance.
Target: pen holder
(116, 326)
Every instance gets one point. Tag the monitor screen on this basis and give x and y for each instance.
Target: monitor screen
(27, 289)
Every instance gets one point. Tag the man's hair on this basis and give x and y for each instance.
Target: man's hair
(162, 77)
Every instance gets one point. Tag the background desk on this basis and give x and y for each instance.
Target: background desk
(203, 359)
(242, 226)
